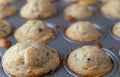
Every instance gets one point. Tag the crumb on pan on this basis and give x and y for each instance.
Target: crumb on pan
(98, 44)
(5, 43)
(69, 18)
(111, 48)
(59, 27)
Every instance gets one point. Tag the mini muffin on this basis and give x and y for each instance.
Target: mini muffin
(36, 30)
(112, 9)
(30, 59)
(70, 0)
(38, 10)
(5, 29)
(6, 11)
(89, 2)
(78, 11)
(89, 61)
(40, 0)
(116, 30)
(7, 1)
(83, 31)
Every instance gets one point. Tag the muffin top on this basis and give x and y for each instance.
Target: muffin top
(83, 31)
(116, 29)
(38, 10)
(6, 11)
(7, 1)
(36, 30)
(30, 59)
(105, 1)
(78, 11)
(112, 9)
(70, 0)
(89, 61)
(5, 29)
(89, 2)
(40, 0)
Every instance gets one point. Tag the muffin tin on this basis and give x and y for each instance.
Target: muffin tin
(64, 46)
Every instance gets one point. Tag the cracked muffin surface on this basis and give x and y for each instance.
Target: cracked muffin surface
(83, 31)
(36, 30)
(38, 10)
(30, 59)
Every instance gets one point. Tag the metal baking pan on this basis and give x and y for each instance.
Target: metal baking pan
(63, 44)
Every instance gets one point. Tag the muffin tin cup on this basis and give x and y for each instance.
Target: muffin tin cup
(6, 74)
(114, 59)
(110, 17)
(97, 26)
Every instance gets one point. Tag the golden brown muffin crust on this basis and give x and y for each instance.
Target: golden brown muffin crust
(79, 11)
(83, 31)
(34, 29)
(30, 59)
(86, 62)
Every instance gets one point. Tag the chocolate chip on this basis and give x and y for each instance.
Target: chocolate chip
(40, 30)
(37, 59)
(47, 54)
(42, 57)
(88, 59)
